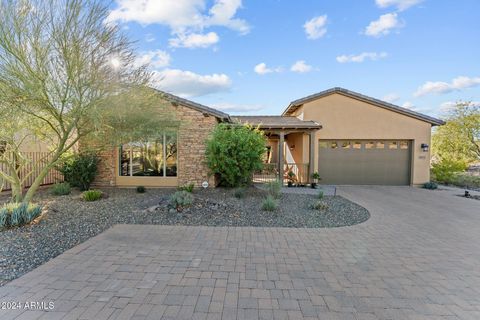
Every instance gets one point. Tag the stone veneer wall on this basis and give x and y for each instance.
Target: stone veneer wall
(194, 129)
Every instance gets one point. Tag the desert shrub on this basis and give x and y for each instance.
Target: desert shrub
(240, 193)
(187, 187)
(319, 205)
(17, 214)
(445, 170)
(274, 188)
(180, 200)
(92, 195)
(4, 217)
(61, 189)
(80, 170)
(269, 203)
(141, 189)
(430, 185)
(465, 180)
(234, 152)
(320, 195)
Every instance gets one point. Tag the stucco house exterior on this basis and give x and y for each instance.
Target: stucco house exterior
(346, 137)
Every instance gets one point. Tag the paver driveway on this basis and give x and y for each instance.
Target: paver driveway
(418, 257)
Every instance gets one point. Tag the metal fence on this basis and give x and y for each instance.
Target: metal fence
(270, 172)
(35, 162)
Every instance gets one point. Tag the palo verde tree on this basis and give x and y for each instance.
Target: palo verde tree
(66, 76)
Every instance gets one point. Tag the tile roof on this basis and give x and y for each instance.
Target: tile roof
(277, 122)
(196, 106)
(379, 103)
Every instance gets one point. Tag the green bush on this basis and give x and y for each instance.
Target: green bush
(187, 187)
(234, 152)
(430, 185)
(274, 188)
(269, 203)
(80, 170)
(61, 189)
(92, 195)
(319, 205)
(180, 200)
(18, 214)
(320, 195)
(240, 193)
(141, 189)
(445, 170)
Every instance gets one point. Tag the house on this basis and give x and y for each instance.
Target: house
(347, 137)
(357, 139)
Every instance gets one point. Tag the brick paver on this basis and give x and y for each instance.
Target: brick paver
(418, 257)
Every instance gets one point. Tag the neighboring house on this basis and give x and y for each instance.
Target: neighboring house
(345, 136)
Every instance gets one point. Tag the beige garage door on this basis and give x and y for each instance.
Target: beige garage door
(372, 162)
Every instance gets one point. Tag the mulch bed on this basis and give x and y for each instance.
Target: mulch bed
(68, 220)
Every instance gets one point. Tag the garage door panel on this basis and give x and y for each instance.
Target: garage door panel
(374, 162)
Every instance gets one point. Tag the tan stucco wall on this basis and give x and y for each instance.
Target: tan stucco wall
(297, 143)
(194, 128)
(347, 118)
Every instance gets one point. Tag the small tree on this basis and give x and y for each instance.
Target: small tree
(459, 138)
(457, 143)
(66, 76)
(234, 152)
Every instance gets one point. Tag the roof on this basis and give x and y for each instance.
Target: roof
(277, 122)
(379, 103)
(196, 106)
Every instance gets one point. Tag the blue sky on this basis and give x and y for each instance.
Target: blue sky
(254, 57)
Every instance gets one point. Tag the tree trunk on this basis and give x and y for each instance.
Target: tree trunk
(37, 183)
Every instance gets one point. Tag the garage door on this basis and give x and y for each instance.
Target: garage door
(373, 162)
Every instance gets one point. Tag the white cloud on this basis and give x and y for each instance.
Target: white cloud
(399, 4)
(448, 105)
(189, 84)
(316, 27)
(440, 87)
(408, 105)
(361, 57)
(194, 40)
(223, 12)
(262, 69)
(237, 108)
(383, 25)
(149, 37)
(301, 67)
(156, 59)
(183, 17)
(391, 97)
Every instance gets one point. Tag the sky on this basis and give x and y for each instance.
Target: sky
(255, 56)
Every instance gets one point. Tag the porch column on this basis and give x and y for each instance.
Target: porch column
(280, 155)
(311, 164)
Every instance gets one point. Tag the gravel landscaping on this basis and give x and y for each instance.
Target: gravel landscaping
(68, 220)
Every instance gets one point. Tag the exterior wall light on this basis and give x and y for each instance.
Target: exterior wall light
(424, 147)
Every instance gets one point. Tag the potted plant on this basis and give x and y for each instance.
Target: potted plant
(315, 177)
(291, 178)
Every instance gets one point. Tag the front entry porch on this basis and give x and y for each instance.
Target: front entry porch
(290, 150)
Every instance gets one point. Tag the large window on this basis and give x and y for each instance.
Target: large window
(156, 158)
